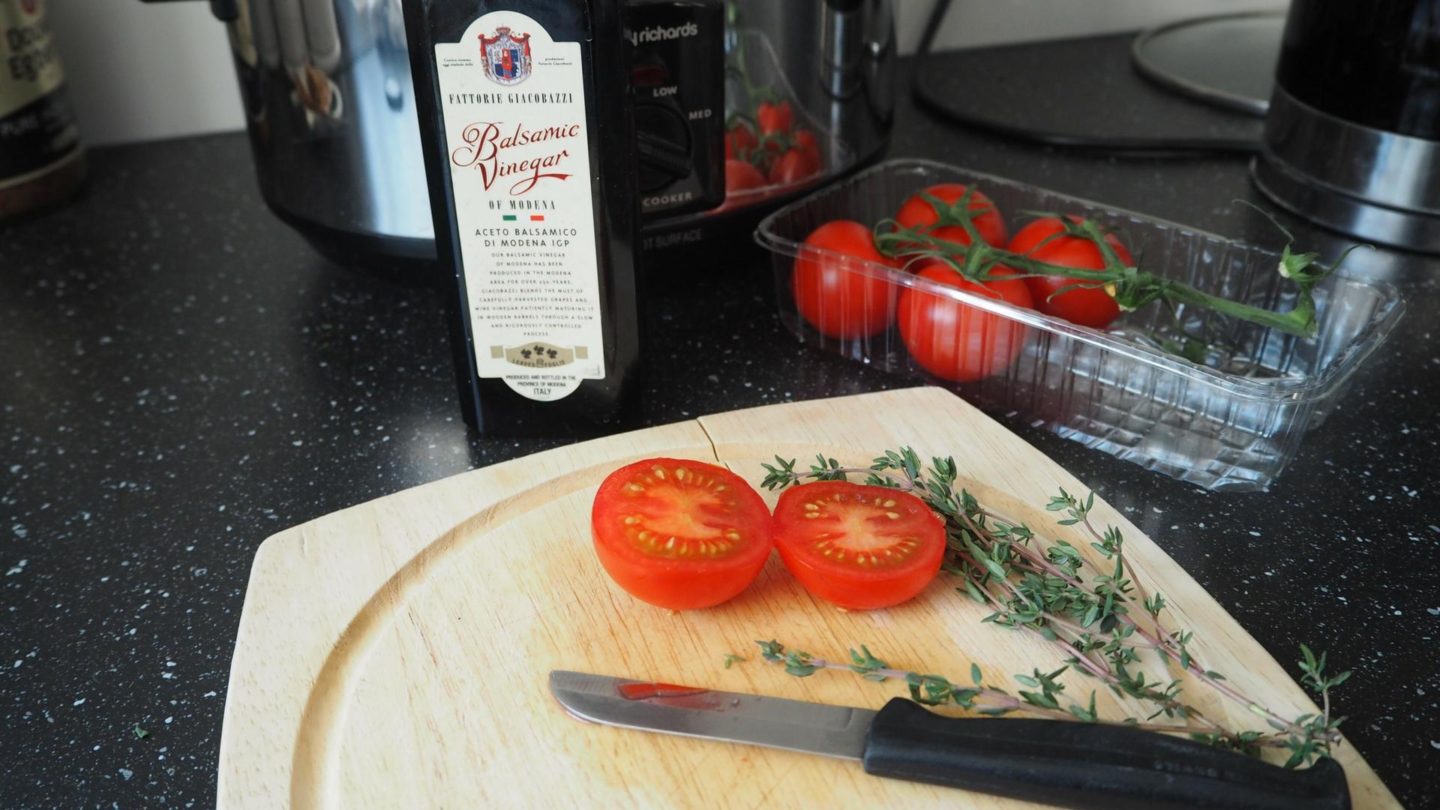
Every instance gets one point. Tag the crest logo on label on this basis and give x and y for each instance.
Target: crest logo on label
(507, 56)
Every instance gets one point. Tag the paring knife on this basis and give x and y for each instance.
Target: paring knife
(1048, 761)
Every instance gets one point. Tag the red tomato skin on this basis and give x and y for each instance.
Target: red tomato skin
(1091, 307)
(775, 118)
(833, 293)
(848, 585)
(955, 341)
(793, 167)
(1035, 232)
(918, 212)
(684, 583)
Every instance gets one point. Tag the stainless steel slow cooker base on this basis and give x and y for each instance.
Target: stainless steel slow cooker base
(1365, 182)
(331, 114)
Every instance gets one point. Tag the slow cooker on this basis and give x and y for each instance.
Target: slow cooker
(330, 110)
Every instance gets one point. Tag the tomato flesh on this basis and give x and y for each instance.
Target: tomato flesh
(859, 547)
(679, 533)
(835, 293)
(956, 341)
(1045, 240)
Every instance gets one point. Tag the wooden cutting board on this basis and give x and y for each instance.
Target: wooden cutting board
(395, 654)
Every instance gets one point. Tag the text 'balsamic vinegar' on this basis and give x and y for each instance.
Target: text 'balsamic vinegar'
(526, 121)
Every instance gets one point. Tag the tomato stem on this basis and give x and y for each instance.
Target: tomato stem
(1130, 287)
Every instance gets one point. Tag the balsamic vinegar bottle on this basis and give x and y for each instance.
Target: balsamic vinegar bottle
(526, 121)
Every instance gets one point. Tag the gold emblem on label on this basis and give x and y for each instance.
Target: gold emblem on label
(538, 354)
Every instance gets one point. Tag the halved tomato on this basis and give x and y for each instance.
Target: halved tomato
(859, 547)
(679, 533)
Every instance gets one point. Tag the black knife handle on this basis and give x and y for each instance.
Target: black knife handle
(1088, 764)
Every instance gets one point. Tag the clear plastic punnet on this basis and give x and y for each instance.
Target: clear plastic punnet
(1229, 422)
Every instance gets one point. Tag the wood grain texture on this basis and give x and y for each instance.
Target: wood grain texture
(395, 654)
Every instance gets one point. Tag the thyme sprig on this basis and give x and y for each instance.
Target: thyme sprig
(1100, 617)
(1130, 286)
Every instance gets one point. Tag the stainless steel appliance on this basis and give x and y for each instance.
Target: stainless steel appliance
(331, 115)
(1352, 138)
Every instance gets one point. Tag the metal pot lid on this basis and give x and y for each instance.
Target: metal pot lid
(1227, 60)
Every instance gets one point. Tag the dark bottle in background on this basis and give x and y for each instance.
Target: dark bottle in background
(41, 159)
(526, 121)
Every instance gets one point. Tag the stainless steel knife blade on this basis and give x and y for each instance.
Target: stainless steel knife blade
(794, 725)
(1088, 765)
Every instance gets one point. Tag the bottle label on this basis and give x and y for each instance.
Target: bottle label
(37, 130)
(513, 103)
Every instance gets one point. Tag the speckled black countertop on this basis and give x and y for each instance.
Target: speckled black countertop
(182, 376)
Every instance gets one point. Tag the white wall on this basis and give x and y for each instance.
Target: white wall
(142, 71)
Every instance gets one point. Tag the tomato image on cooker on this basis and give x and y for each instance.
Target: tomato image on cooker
(775, 117)
(739, 141)
(795, 165)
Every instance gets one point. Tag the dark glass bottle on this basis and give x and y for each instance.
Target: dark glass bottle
(527, 125)
(41, 159)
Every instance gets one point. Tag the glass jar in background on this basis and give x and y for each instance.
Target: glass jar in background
(41, 159)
